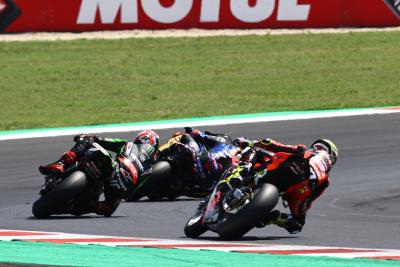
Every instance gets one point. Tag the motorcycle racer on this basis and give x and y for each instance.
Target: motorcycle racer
(216, 154)
(301, 179)
(133, 161)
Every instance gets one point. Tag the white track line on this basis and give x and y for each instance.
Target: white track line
(211, 121)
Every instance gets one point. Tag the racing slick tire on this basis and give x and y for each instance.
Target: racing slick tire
(56, 200)
(238, 224)
(194, 227)
(160, 175)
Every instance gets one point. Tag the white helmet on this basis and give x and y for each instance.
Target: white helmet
(328, 146)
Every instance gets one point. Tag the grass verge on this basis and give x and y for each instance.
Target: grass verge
(56, 84)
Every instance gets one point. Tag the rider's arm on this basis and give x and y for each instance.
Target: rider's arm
(206, 139)
(111, 144)
(275, 146)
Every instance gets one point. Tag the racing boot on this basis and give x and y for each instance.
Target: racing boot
(106, 209)
(269, 219)
(58, 167)
(283, 220)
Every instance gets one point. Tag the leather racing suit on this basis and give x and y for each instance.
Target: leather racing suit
(216, 155)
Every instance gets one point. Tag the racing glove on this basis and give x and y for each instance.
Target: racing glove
(82, 137)
(242, 142)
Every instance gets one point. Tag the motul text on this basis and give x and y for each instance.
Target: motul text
(242, 10)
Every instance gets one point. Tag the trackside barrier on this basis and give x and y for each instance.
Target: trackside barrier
(94, 15)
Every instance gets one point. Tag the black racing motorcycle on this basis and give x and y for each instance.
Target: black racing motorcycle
(233, 208)
(78, 188)
(179, 166)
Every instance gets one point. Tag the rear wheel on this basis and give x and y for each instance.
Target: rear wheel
(56, 200)
(159, 180)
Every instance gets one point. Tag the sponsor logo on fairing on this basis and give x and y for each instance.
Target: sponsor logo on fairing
(129, 165)
(394, 5)
(210, 11)
(140, 165)
(137, 161)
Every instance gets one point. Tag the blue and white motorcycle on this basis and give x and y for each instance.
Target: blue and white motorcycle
(187, 168)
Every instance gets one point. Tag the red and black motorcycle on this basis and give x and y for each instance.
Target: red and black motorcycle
(240, 201)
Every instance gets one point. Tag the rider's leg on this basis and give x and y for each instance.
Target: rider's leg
(58, 166)
(67, 159)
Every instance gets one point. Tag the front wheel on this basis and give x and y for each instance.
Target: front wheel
(194, 227)
(238, 224)
(56, 200)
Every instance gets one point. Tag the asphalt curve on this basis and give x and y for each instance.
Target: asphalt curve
(360, 208)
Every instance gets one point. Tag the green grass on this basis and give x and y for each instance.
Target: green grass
(54, 84)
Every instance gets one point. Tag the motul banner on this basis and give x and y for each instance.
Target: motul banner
(91, 15)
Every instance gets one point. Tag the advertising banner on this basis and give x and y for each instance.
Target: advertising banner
(94, 15)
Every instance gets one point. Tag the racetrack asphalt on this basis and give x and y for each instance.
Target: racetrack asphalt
(360, 208)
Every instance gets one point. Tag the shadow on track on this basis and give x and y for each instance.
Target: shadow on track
(244, 238)
(164, 200)
(72, 217)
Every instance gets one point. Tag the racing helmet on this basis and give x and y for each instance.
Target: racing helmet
(148, 137)
(328, 146)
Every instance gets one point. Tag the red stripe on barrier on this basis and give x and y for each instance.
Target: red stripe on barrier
(306, 251)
